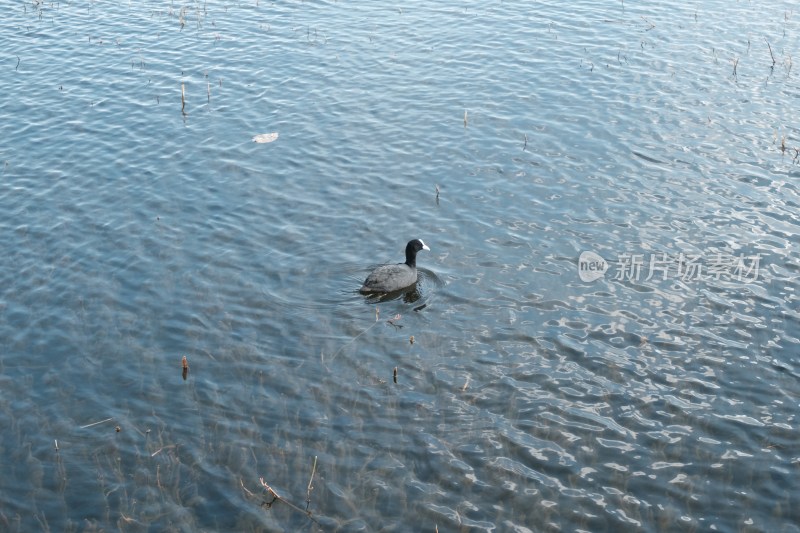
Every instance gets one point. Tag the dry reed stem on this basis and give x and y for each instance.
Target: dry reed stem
(96, 423)
(278, 497)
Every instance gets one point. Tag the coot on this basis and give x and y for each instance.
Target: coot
(390, 278)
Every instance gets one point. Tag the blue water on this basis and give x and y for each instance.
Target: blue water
(505, 393)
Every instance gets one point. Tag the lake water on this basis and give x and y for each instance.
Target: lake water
(605, 335)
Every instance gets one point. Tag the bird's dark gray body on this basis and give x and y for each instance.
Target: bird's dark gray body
(390, 278)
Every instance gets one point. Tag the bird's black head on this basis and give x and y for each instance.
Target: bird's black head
(412, 248)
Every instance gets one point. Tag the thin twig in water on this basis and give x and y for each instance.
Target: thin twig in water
(526, 143)
(249, 493)
(377, 318)
(770, 51)
(391, 321)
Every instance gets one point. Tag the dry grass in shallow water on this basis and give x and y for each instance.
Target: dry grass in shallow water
(391, 322)
(278, 498)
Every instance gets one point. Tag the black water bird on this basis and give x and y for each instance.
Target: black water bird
(390, 278)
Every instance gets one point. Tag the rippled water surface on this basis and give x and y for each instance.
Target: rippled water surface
(652, 385)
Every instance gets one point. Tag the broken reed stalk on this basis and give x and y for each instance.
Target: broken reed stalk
(310, 484)
(278, 497)
(465, 118)
(168, 447)
(183, 98)
(735, 63)
(770, 51)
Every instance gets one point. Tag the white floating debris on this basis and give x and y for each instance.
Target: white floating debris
(265, 137)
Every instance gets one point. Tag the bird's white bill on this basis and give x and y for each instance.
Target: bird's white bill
(424, 246)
